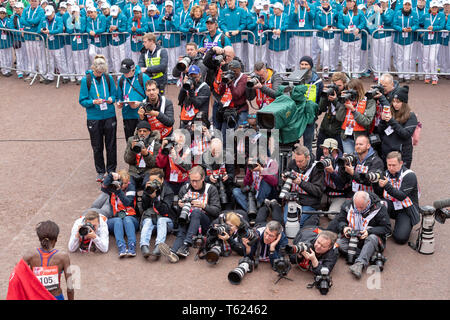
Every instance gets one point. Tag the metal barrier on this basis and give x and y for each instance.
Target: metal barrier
(387, 43)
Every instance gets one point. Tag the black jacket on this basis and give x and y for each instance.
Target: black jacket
(162, 67)
(198, 61)
(408, 187)
(163, 204)
(374, 164)
(213, 207)
(379, 225)
(330, 126)
(200, 101)
(385, 100)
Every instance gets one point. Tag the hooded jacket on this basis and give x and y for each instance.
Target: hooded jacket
(150, 158)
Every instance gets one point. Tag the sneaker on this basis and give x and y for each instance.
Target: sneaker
(145, 251)
(20, 76)
(165, 251)
(356, 269)
(65, 80)
(427, 81)
(100, 177)
(131, 250)
(122, 252)
(434, 82)
(184, 250)
(156, 252)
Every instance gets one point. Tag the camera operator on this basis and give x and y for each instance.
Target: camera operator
(174, 157)
(259, 178)
(200, 137)
(204, 207)
(192, 57)
(157, 203)
(357, 116)
(309, 184)
(153, 61)
(367, 161)
(194, 96)
(271, 239)
(140, 153)
(338, 183)
(402, 195)
(218, 171)
(367, 215)
(97, 236)
(157, 110)
(130, 93)
(266, 86)
(330, 127)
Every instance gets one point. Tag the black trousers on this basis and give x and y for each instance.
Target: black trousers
(103, 133)
(129, 126)
(402, 227)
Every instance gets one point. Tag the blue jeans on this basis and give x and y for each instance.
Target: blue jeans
(216, 124)
(348, 145)
(129, 224)
(265, 192)
(304, 216)
(186, 233)
(163, 226)
(308, 136)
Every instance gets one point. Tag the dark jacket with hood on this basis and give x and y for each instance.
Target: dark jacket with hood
(162, 203)
(150, 158)
(374, 164)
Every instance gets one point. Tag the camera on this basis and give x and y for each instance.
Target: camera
(149, 107)
(378, 260)
(228, 76)
(153, 186)
(252, 206)
(330, 90)
(295, 78)
(221, 187)
(253, 79)
(247, 233)
(214, 231)
(168, 16)
(85, 228)
(290, 177)
(325, 162)
(349, 94)
(374, 90)
(171, 143)
(183, 64)
(114, 185)
(282, 265)
(346, 159)
(185, 213)
(237, 274)
(352, 245)
(297, 248)
(188, 85)
(323, 281)
(372, 177)
(218, 58)
(139, 145)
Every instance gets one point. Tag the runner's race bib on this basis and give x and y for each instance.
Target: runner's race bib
(48, 276)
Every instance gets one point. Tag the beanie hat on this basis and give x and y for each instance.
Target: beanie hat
(307, 59)
(402, 94)
(143, 125)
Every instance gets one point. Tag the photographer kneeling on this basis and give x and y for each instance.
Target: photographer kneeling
(140, 153)
(157, 110)
(89, 233)
(157, 203)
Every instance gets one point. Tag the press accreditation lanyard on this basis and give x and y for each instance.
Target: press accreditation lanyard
(96, 88)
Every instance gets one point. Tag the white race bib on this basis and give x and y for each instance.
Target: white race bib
(48, 276)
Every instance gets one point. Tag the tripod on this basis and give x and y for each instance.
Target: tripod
(282, 276)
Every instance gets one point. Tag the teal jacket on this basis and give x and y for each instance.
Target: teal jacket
(401, 21)
(381, 21)
(99, 27)
(199, 25)
(326, 18)
(208, 42)
(32, 18)
(230, 20)
(98, 90)
(5, 36)
(16, 23)
(54, 27)
(344, 22)
(136, 36)
(171, 40)
(281, 43)
(122, 26)
(133, 93)
(438, 24)
(302, 20)
(256, 28)
(444, 36)
(78, 42)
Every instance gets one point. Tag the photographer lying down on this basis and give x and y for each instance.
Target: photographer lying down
(90, 233)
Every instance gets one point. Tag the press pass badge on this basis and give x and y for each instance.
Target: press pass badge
(103, 106)
(48, 276)
(397, 205)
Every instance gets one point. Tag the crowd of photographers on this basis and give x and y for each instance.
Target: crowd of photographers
(68, 34)
(184, 180)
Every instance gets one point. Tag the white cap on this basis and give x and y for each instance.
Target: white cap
(3, 9)
(361, 6)
(266, 2)
(446, 2)
(105, 5)
(91, 9)
(243, 1)
(49, 10)
(114, 10)
(71, 2)
(384, 0)
(407, 1)
(63, 4)
(169, 3)
(89, 3)
(152, 7)
(18, 4)
(75, 8)
(278, 5)
(434, 3)
(137, 8)
(44, 1)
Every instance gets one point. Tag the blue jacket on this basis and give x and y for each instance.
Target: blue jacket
(326, 18)
(438, 24)
(31, 19)
(54, 27)
(230, 20)
(152, 23)
(344, 22)
(199, 25)
(5, 36)
(256, 28)
(121, 23)
(282, 42)
(17, 35)
(208, 42)
(302, 20)
(169, 40)
(444, 36)
(78, 42)
(381, 21)
(98, 26)
(98, 90)
(127, 90)
(401, 21)
(136, 36)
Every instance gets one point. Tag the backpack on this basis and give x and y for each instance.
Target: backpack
(89, 82)
(416, 135)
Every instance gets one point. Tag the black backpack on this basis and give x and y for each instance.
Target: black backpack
(89, 81)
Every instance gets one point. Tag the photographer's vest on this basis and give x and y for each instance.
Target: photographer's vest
(140, 162)
(350, 125)
(397, 183)
(361, 168)
(157, 125)
(203, 198)
(188, 112)
(357, 221)
(305, 177)
(227, 97)
(311, 93)
(329, 183)
(156, 61)
(257, 178)
(49, 276)
(176, 174)
(263, 100)
(221, 171)
(118, 206)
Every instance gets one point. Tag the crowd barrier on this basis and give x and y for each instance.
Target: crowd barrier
(71, 53)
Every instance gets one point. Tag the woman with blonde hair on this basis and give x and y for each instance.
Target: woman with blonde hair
(194, 24)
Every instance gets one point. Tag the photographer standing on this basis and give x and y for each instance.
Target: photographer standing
(193, 57)
(130, 92)
(157, 203)
(140, 153)
(153, 61)
(97, 236)
(194, 96)
(200, 204)
(357, 116)
(368, 216)
(157, 110)
(401, 192)
(266, 86)
(330, 127)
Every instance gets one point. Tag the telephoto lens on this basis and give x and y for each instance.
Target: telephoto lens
(247, 233)
(185, 213)
(252, 206)
(183, 64)
(346, 159)
(237, 274)
(352, 246)
(213, 254)
(286, 189)
(325, 162)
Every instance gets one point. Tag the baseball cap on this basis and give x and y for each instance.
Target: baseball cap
(211, 20)
(137, 8)
(91, 9)
(434, 4)
(44, 1)
(49, 10)
(126, 65)
(194, 69)
(75, 8)
(330, 143)
(114, 10)
(105, 5)
(152, 7)
(18, 5)
(169, 3)
(63, 4)
(407, 1)
(2, 9)
(278, 5)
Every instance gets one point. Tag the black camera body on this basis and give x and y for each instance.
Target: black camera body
(169, 146)
(184, 217)
(114, 185)
(372, 177)
(346, 159)
(248, 233)
(228, 76)
(148, 107)
(85, 228)
(153, 186)
(330, 89)
(374, 90)
(253, 79)
(323, 281)
(349, 94)
(140, 144)
(189, 84)
(217, 60)
(325, 162)
(282, 266)
(221, 188)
